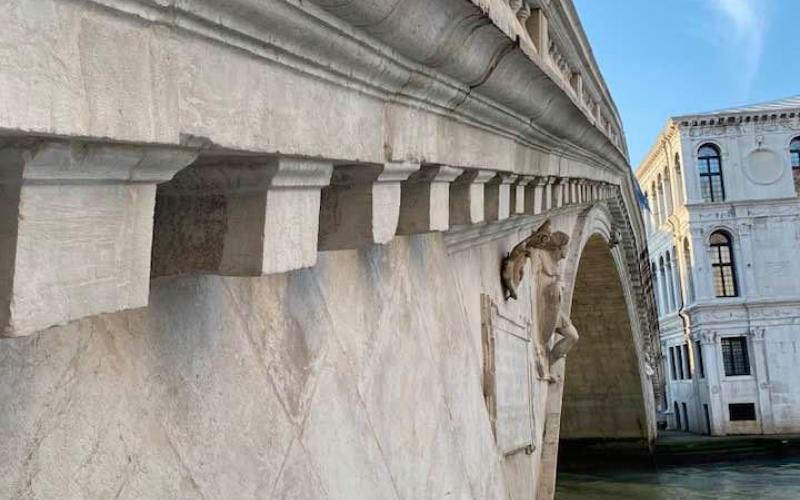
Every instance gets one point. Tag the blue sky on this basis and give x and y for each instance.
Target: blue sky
(666, 58)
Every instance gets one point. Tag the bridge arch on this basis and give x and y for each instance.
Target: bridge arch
(605, 394)
(604, 388)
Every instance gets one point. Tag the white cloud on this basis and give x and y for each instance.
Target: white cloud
(741, 26)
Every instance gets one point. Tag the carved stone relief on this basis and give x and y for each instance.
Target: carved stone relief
(545, 249)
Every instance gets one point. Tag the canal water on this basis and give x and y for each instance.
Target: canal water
(756, 480)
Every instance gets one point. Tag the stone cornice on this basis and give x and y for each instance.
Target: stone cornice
(701, 120)
(666, 135)
(463, 65)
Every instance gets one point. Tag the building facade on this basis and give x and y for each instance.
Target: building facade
(723, 233)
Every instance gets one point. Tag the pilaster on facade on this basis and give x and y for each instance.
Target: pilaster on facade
(762, 379)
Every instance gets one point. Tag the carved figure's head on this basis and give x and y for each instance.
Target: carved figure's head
(555, 243)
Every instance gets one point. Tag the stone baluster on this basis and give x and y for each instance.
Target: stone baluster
(76, 226)
(714, 375)
(361, 206)
(425, 200)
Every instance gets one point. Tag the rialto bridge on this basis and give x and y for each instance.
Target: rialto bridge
(264, 249)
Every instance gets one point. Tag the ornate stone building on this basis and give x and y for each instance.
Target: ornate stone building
(270, 249)
(723, 233)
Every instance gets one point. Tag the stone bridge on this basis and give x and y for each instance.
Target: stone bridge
(253, 249)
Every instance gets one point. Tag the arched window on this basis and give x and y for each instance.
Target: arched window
(662, 289)
(670, 282)
(794, 156)
(655, 206)
(722, 266)
(662, 202)
(687, 263)
(709, 166)
(667, 193)
(679, 178)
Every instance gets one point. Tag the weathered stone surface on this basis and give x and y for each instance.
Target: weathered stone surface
(76, 228)
(498, 197)
(425, 200)
(361, 207)
(240, 216)
(467, 195)
(353, 374)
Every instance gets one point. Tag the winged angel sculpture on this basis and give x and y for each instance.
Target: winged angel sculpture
(545, 249)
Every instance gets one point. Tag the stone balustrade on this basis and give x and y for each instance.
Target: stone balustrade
(82, 223)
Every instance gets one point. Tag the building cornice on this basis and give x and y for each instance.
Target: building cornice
(664, 137)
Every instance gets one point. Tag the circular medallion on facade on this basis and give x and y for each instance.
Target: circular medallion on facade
(764, 166)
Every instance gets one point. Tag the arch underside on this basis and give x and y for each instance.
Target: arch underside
(603, 393)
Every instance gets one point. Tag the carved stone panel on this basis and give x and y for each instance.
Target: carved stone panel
(507, 378)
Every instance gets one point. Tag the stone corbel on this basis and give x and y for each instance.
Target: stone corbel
(536, 201)
(520, 194)
(498, 197)
(362, 205)
(558, 186)
(425, 200)
(76, 226)
(240, 216)
(574, 191)
(467, 197)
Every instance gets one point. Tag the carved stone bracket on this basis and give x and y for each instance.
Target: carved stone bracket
(425, 200)
(467, 197)
(362, 205)
(240, 216)
(498, 197)
(520, 193)
(76, 225)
